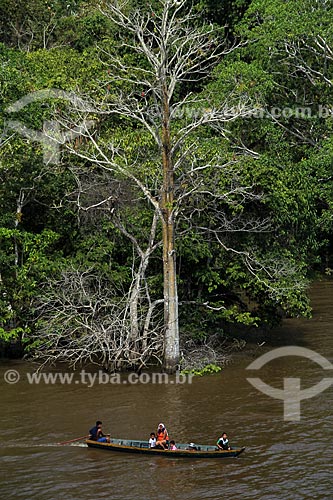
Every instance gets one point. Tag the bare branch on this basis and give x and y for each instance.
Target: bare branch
(83, 320)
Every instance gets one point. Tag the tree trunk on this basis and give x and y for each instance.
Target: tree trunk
(135, 297)
(171, 340)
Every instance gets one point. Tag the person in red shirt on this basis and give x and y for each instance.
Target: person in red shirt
(162, 438)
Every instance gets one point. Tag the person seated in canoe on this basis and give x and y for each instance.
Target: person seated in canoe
(152, 440)
(96, 433)
(162, 438)
(223, 442)
(172, 445)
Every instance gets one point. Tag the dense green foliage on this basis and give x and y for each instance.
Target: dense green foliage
(284, 151)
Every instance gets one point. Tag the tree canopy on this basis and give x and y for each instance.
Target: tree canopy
(170, 153)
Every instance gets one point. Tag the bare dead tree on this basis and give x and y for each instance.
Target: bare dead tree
(108, 197)
(84, 319)
(174, 53)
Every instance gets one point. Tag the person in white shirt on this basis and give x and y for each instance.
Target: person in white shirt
(223, 442)
(152, 440)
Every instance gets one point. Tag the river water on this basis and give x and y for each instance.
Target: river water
(284, 459)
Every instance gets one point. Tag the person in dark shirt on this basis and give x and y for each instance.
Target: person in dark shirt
(223, 442)
(96, 433)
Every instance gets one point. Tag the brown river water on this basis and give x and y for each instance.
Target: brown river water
(284, 459)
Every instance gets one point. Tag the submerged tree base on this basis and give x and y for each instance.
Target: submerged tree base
(197, 355)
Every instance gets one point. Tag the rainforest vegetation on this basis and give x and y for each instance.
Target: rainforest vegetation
(166, 173)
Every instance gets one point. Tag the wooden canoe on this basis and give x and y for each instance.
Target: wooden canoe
(131, 446)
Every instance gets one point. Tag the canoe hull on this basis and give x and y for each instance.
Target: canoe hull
(141, 447)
